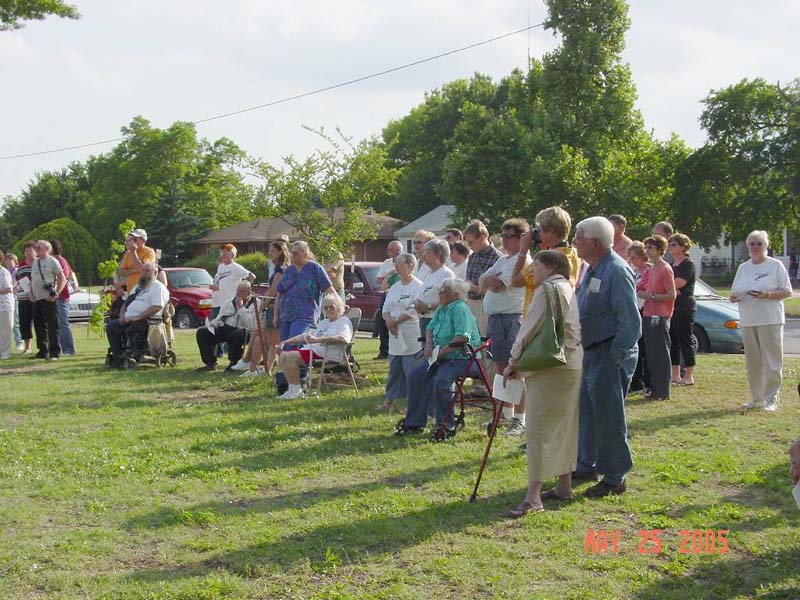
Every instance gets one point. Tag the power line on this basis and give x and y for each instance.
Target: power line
(297, 96)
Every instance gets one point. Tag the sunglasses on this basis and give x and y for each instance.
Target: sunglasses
(507, 236)
(755, 243)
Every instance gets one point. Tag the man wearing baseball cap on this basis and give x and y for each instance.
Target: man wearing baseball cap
(137, 254)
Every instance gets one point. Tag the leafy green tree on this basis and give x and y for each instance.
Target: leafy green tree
(78, 246)
(748, 173)
(417, 145)
(14, 12)
(170, 182)
(327, 196)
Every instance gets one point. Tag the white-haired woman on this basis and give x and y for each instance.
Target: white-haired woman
(452, 323)
(326, 341)
(760, 287)
(402, 322)
(435, 255)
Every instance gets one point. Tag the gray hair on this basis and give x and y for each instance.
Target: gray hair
(458, 287)
(395, 243)
(438, 247)
(408, 259)
(244, 284)
(598, 228)
(301, 246)
(47, 245)
(758, 234)
(335, 299)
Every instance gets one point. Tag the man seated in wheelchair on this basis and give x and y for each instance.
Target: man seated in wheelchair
(329, 341)
(453, 326)
(232, 325)
(145, 304)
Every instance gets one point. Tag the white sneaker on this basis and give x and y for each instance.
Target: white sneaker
(754, 404)
(20, 346)
(258, 371)
(241, 366)
(770, 407)
(292, 395)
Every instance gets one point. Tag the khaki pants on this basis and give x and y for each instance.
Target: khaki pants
(6, 332)
(763, 357)
(476, 306)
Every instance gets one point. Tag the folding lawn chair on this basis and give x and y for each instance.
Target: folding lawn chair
(327, 370)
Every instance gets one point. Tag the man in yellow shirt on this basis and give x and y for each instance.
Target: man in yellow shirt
(137, 254)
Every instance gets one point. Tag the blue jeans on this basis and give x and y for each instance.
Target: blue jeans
(64, 332)
(602, 429)
(435, 386)
(289, 329)
(400, 369)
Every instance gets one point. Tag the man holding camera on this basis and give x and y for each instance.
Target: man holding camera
(146, 301)
(47, 281)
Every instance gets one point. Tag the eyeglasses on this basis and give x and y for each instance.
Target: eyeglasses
(674, 244)
(755, 243)
(418, 242)
(506, 236)
(327, 306)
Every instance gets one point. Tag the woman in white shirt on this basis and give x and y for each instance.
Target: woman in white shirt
(402, 321)
(327, 341)
(760, 287)
(6, 310)
(435, 255)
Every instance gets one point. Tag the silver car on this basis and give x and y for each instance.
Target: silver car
(81, 305)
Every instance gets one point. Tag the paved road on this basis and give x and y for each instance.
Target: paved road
(791, 337)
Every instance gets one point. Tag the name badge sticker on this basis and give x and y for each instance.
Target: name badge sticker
(594, 285)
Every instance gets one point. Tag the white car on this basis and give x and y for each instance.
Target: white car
(82, 304)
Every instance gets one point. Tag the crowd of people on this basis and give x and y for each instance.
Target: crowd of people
(626, 309)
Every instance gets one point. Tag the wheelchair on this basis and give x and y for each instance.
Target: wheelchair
(460, 398)
(148, 345)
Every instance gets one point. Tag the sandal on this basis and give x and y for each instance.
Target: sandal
(523, 509)
(551, 495)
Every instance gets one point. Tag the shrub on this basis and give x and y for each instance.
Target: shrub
(209, 263)
(77, 245)
(255, 262)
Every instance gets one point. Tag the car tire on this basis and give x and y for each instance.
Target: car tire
(703, 343)
(184, 318)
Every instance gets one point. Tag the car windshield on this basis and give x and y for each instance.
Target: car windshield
(371, 273)
(180, 279)
(703, 290)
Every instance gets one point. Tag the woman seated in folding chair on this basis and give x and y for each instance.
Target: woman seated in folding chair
(328, 341)
(452, 325)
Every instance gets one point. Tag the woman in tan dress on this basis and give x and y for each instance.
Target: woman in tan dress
(552, 394)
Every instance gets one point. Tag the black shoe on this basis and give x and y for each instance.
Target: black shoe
(601, 489)
(584, 476)
(209, 367)
(409, 431)
(230, 368)
(381, 356)
(40, 355)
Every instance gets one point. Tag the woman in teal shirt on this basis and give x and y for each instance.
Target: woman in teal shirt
(452, 323)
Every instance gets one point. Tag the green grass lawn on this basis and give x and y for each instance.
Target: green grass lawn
(179, 484)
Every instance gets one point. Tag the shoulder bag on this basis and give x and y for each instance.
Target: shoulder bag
(546, 349)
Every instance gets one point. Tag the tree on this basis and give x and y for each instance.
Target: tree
(748, 173)
(328, 196)
(78, 246)
(170, 182)
(13, 12)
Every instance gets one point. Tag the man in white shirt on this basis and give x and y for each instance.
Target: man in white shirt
(230, 326)
(502, 304)
(226, 280)
(147, 301)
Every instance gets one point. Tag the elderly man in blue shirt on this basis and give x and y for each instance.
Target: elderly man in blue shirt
(610, 328)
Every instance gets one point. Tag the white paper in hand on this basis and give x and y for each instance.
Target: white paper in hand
(434, 356)
(511, 393)
(209, 326)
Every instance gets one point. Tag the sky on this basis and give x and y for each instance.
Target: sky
(68, 83)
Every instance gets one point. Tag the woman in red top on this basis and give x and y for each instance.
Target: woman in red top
(659, 300)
